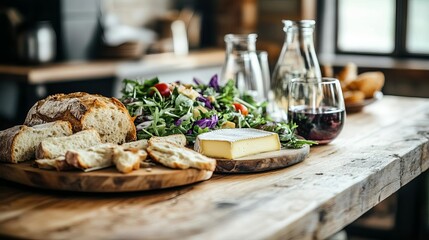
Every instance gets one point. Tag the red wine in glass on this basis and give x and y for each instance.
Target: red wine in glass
(321, 124)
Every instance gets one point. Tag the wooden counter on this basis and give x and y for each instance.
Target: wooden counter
(81, 70)
(379, 151)
(58, 72)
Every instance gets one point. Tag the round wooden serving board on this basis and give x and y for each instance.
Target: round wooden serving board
(105, 180)
(263, 161)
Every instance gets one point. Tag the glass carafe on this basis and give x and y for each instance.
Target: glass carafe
(297, 60)
(242, 65)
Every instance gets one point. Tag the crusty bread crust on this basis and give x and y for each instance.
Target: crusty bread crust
(127, 160)
(348, 73)
(12, 139)
(353, 97)
(368, 83)
(76, 109)
(7, 139)
(74, 159)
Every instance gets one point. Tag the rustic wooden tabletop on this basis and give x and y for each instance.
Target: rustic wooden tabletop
(380, 150)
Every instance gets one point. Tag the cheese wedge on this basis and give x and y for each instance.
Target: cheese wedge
(236, 143)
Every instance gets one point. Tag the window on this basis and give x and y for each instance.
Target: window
(383, 27)
(418, 26)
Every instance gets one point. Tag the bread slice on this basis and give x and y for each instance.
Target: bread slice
(128, 160)
(96, 157)
(175, 156)
(58, 146)
(140, 144)
(178, 139)
(86, 111)
(58, 163)
(19, 143)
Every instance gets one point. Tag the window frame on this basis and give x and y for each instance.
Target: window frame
(400, 35)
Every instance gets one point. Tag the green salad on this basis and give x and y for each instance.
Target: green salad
(161, 109)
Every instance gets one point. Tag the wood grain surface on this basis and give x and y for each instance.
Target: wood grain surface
(263, 161)
(82, 70)
(105, 180)
(379, 150)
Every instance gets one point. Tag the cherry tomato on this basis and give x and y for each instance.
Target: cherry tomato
(241, 108)
(163, 89)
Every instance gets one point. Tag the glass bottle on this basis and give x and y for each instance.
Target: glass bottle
(297, 60)
(242, 65)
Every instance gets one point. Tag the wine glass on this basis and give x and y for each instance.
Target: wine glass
(317, 107)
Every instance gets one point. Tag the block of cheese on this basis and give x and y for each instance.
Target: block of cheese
(236, 142)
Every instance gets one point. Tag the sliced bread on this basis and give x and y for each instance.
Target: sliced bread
(58, 163)
(128, 160)
(86, 111)
(175, 156)
(140, 144)
(96, 157)
(19, 143)
(178, 139)
(58, 146)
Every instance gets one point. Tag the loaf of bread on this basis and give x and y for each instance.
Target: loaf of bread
(368, 83)
(19, 143)
(127, 160)
(353, 97)
(58, 146)
(93, 158)
(175, 156)
(347, 75)
(86, 111)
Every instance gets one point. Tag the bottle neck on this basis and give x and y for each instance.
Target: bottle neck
(240, 43)
(309, 53)
(291, 36)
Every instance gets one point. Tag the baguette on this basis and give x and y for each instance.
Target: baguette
(86, 111)
(19, 143)
(58, 146)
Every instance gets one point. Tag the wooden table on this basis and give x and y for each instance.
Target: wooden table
(379, 151)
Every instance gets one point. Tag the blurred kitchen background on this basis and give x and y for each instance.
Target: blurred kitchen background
(56, 46)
